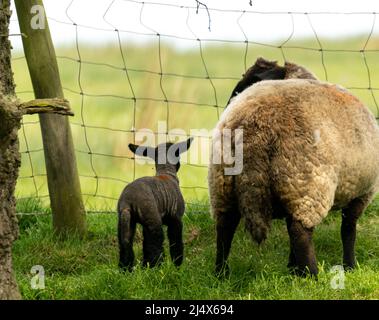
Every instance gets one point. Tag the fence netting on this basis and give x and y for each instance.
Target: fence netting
(172, 76)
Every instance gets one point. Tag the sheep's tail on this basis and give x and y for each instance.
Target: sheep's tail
(255, 208)
(257, 227)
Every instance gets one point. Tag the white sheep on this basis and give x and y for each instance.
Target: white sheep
(308, 147)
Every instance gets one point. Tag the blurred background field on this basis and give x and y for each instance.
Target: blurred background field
(197, 83)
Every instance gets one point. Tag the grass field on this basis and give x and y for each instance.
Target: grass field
(87, 269)
(108, 113)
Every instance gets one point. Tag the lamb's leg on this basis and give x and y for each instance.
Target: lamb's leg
(152, 245)
(227, 223)
(302, 246)
(350, 215)
(174, 232)
(126, 231)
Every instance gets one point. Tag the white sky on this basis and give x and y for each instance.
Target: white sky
(127, 15)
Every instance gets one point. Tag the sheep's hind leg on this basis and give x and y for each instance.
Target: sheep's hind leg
(302, 246)
(350, 216)
(174, 232)
(126, 231)
(227, 223)
(152, 245)
(291, 259)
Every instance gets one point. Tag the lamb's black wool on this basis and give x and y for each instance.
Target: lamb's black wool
(153, 202)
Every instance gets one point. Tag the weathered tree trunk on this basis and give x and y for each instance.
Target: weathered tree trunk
(11, 112)
(10, 118)
(9, 164)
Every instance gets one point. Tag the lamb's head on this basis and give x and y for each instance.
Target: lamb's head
(166, 155)
(270, 70)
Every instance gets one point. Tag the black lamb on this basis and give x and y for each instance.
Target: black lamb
(153, 202)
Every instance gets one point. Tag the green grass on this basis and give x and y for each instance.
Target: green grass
(225, 64)
(87, 269)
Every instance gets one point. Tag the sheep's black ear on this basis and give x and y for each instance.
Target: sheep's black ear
(261, 70)
(277, 73)
(244, 83)
(142, 150)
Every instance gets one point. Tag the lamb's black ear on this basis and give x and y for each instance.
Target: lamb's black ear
(183, 146)
(142, 150)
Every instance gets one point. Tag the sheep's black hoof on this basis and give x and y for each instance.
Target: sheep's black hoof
(291, 269)
(291, 265)
(304, 272)
(349, 266)
(125, 267)
(222, 271)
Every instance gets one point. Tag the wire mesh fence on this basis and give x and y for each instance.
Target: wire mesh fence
(142, 75)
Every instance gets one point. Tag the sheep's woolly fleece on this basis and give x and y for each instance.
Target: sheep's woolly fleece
(309, 145)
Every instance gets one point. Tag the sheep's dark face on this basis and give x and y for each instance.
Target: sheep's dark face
(165, 155)
(261, 70)
(270, 70)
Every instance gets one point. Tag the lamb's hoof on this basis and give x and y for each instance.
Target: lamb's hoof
(178, 261)
(222, 271)
(152, 264)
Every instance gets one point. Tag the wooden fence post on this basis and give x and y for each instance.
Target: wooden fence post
(62, 173)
